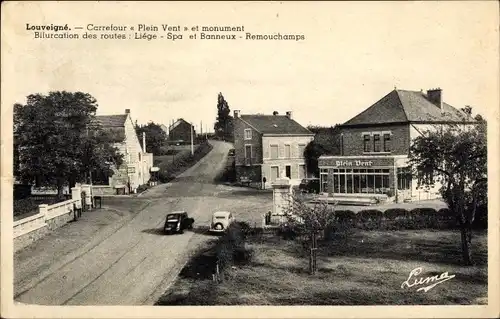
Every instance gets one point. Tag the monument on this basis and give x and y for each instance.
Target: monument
(282, 190)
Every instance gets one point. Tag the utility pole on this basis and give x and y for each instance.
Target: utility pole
(192, 146)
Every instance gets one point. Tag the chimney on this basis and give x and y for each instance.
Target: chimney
(144, 142)
(127, 111)
(236, 113)
(289, 115)
(435, 96)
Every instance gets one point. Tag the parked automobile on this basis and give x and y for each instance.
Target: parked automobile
(177, 222)
(231, 152)
(309, 185)
(221, 221)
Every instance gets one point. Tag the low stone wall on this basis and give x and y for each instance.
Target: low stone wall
(50, 217)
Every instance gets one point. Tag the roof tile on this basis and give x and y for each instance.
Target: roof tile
(275, 124)
(402, 106)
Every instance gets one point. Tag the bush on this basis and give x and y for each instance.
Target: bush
(396, 218)
(345, 216)
(231, 247)
(424, 217)
(446, 218)
(370, 219)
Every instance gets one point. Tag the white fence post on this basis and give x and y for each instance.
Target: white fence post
(43, 209)
(76, 193)
(88, 196)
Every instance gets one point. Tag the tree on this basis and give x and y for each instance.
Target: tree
(455, 156)
(155, 137)
(52, 140)
(326, 141)
(224, 123)
(311, 220)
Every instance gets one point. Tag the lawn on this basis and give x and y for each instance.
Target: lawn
(355, 268)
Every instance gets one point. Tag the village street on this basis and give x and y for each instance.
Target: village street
(122, 257)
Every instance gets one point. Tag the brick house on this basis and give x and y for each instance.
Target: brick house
(137, 163)
(375, 146)
(269, 146)
(180, 131)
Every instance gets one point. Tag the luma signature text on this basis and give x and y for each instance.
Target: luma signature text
(428, 282)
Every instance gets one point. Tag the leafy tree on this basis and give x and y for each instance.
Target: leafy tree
(326, 141)
(155, 137)
(455, 156)
(224, 123)
(52, 140)
(309, 220)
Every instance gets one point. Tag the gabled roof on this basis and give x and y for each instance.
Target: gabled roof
(401, 106)
(275, 124)
(112, 120)
(176, 123)
(114, 125)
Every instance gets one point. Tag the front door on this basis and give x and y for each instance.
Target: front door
(274, 173)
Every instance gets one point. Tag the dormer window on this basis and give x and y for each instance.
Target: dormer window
(248, 134)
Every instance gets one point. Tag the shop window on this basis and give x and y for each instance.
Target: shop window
(342, 184)
(357, 183)
(376, 142)
(336, 184)
(366, 143)
(387, 142)
(349, 183)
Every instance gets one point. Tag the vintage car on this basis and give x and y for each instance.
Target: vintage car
(221, 221)
(309, 185)
(177, 222)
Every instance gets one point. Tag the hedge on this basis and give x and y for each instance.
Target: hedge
(370, 219)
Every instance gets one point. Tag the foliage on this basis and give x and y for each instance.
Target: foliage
(231, 248)
(326, 142)
(308, 218)
(53, 143)
(155, 137)
(455, 156)
(223, 125)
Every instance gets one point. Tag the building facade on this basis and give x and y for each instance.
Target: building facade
(180, 131)
(137, 163)
(268, 147)
(375, 146)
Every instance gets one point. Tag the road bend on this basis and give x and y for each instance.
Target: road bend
(129, 262)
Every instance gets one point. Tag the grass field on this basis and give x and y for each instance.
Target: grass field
(361, 268)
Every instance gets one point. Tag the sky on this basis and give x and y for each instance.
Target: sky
(353, 54)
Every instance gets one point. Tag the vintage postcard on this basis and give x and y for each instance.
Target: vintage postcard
(288, 159)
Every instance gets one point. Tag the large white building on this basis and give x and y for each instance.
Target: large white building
(137, 163)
